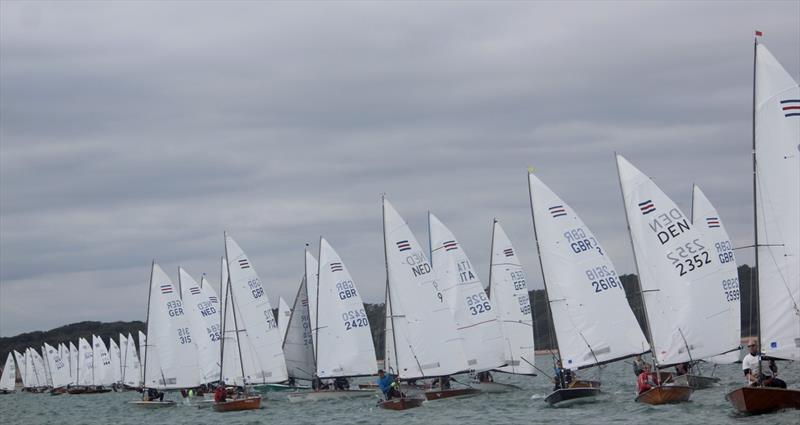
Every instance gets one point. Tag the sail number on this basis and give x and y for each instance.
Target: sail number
(213, 333)
(270, 319)
(256, 290)
(355, 319)
(724, 252)
(346, 289)
(184, 336)
(731, 288)
(603, 278)
(518, 278)
(579, 242)
(689, 257)
(478, 303)
(175, 308)
(524, 303)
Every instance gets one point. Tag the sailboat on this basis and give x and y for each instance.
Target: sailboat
(59, 370)
(591, 317)
(255, 328)
(344, 347)
(131, 368)
(508, 291)
(116, 362)
(103, 371)
(776, 193)
(421, 337)
(298, 342)
(682, 283)
(21, 367)
(170, 361)
(706, 218)
(475, 317)
(8, 379)
(73, 363)
(204, 316)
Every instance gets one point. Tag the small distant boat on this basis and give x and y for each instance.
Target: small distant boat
(776, 165)
(401, 403)
(246, 403)
(7, 379)
(665, 394)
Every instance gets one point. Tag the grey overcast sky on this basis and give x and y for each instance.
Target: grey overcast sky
(139, 130)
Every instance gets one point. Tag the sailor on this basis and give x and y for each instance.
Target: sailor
(638, 365)
(645, 380)
(759, 372)
(563, 377)
(484, 377)
(341, 383)
(387, 385)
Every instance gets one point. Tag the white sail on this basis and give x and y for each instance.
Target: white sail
(204, 317)
(21, 366)
(131, 368)
(232, 363)
(59, 369)
(706, 218)
(169, 338)
(472, 310)
(103, 369)
(116, 361)
(48, 378)
(9, 376)
(73, 363)
(682, 282)
(123, 357)
(260, 329)
(421, 326)
(37, 366)
(298, 347)
(143, 357)
(512, 303)
(85, 363)
(592, 319)
(344, 339)
(312, 269)
(284, 313)
(777, 150)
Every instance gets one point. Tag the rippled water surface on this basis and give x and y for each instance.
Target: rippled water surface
(520, 407)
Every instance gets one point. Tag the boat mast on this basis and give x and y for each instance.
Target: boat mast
(233, 305)
(316, 305)
(541, 267)
(316, 309)
(388, 291)
(146, 326)
(224, 298)
(636, 267)
(754, 279)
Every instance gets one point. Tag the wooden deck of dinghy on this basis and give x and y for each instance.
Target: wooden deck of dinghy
(401, 403)
(247, 403)
(454, 392)
(665, 394)
(756, 400)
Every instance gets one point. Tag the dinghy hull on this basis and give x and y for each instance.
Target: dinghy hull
(402, 403)
(697, 382)
(665, 394)
(756, 400)
(494, 387)
(456, 392)
(565, 397)
(303, 396)
(247, 403)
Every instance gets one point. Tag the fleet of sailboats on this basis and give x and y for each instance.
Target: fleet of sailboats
(440, 320)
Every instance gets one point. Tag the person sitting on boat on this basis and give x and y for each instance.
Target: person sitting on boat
(341, 383)
(645, 380)
(682, 369)
(563, 377)
(638, 365)
(153, 394)
(220, 394)
(484, 377)
(759, 372)
(317, 384)
(388, 385)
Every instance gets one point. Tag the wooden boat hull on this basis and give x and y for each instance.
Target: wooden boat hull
(454, 392)
(404, 386)
(697, 382)
(303, 396)
(248, 403)
(152, 404)
(401, 403)
(494, 387)
(756, 400)
(565, 397)
(665, 394)
(87, 390)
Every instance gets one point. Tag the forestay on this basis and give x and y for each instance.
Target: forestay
(777, 150)
(169, 338)
(471, 308)
(592, 319)
(706, 218)
(204, 317)
(511, 301)
(421, 326)
(284, 313)
(297, 346)
(344, 340)
(682, 282)
(257, 321)
(9, 376)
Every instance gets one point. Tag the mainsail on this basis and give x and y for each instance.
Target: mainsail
(132, 368)
(59, 369)
(85, 370)
(512, 303)
(9, 376)
(21, 365)
(424, 336)
(471, 308)
(777, 204)
(344, 340)
(103, 372)
(204, 317)
(682, 282)
(73, 363)
(116, 361)
(298, 347)
(592, 319)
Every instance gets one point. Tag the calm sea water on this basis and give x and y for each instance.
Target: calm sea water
(520, 407)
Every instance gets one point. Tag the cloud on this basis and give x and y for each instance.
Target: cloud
(132, 131)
